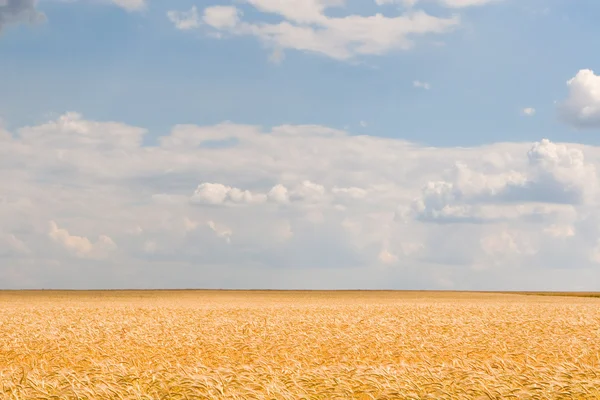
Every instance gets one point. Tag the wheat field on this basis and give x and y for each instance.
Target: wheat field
(297, 345)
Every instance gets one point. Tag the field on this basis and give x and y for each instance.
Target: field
(298, 345)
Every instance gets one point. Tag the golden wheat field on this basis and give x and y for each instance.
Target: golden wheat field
(298, 345)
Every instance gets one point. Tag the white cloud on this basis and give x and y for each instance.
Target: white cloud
(211, 193)
(283, 230)
(581, 108)
(221, 17)
(308, 191)
(221, 231)
(80, 245)
(185, 20)
(263, 210)
(190, 225)
(424, 85)
(131, 5)
(301, 11)
(17, 11)
(561, 174)
(279, 194)
(216, 193)
(554, 174)
(277, 56)
(61, 132)
(306, 27)
(386, 257)
(219, 194)
(528, 111)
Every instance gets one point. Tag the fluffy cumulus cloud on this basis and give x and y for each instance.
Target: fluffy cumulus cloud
(217, 193)
(306, 26)
(16, 11)
(306, 192)
(581, 108)
(88, 204)
(554, 175)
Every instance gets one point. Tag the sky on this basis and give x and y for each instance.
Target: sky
(305, 144)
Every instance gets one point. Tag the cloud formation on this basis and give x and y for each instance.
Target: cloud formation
(86, 203)
(17, 11)
(306, 27)
(81, 246)
(217, 194)
(423, 85)
(554, 174)
(581, 108)
(185, 20)
(528, 111)
(444, 3)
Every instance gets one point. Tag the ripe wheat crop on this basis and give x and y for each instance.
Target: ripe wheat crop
(298, 345)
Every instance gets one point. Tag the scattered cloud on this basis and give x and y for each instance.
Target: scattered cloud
(277, 56)
(308, 191)
(423, 85)
(386, 257)
(238, 215)
(216, 194)
(221, 231)
(279, 194)
(554, 174)
(581, 108)
(19, 11)
(81, 246)
(306, 27)
(222, 17)
(184, 20)
(528, 111)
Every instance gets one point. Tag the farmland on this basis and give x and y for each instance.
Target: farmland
(294, 345)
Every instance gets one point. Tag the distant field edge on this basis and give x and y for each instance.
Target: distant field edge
(529, 293)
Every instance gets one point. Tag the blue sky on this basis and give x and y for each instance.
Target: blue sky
(300, 144)
(108, 63)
